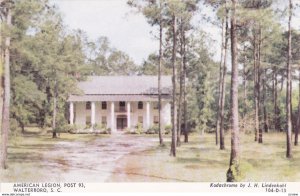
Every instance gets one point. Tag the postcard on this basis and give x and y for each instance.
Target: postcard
(150, 96)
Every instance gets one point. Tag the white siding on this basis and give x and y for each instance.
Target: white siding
(81, 113)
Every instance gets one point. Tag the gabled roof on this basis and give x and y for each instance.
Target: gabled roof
(124, 85)
(129, 87)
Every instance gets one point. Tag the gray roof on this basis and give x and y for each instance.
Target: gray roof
(86, 98)
(103, 88)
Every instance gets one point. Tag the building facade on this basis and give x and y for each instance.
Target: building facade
(121, 102)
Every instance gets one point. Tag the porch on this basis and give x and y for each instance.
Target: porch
(119, 115)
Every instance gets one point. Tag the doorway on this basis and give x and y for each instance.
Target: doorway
(121, 122)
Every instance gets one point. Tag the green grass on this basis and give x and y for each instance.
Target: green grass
(200, 160)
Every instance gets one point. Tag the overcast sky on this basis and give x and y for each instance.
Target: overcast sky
(114, 19)
(126, 30)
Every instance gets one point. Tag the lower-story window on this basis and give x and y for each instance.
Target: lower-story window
(155, 119)
(88, 121)
(140, 119)
(104, 120)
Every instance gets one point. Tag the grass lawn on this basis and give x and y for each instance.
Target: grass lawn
(200, 160)
(135, 158)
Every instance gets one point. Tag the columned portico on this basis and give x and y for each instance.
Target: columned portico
(71, 113)
(128, 115)
(119, 103)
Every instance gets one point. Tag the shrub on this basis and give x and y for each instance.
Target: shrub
(139, 128)
(99, 127)
(14, 127)
(153, 130)
(69, 128)
(168, 129)
(88, 126)
(128, 131)
(108, 131)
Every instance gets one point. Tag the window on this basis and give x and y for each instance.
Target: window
(104, 105)
(155, 106)
(88, 121)
(140, 105)
(122, 106)
(140, 119)
(104, 120)
(88, 105)
(155, 119)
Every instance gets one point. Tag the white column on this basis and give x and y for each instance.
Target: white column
(93, 113)
(112, 116)
(166, 113)
(128, 115)
(71, 113)
(148, 115)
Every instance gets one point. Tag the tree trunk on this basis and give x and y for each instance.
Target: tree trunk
(266, 123)
(173, 144)
(186, 136)
(256, 99)
(6, 97)
(223, 85)
(179, 115)
(159, 83)
(298, 119)
(274, 99)
(244, 93)
(234, 170)
(54, 135)
(220, 82)
(288, 92)
(260, 135)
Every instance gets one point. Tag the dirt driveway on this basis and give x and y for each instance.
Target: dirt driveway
(90, 160)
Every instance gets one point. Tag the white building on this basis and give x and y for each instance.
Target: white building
(121, 102)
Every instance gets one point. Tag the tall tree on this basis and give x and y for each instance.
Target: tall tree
(223, 70)
(174, 73)
(6, 97)
(160, 56)
(154, 12)
(288, 87)
(234, 169)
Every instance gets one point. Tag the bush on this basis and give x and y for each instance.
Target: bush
(108, 131)
(99, 127)
(139, 128)
(168, 129)
(69, 128)
(153, 130)
(88, 126)
(128, 131)
(14, 127)
(65, 128)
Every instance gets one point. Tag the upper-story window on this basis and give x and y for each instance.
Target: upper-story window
(122, 106)
(155, 106)
(104, 105)
(88, 105)
(140, 105)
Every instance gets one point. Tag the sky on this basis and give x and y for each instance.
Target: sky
(126, 30)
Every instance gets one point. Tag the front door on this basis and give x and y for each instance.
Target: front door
(121, 123)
